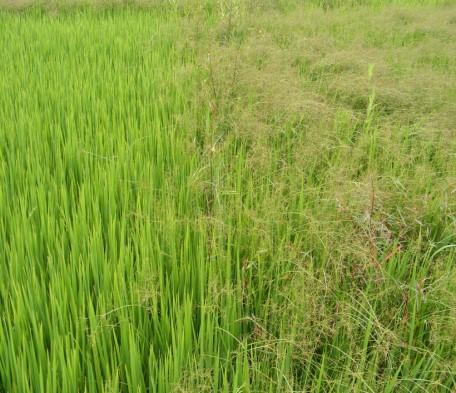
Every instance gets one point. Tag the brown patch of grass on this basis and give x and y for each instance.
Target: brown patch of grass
(357, 160)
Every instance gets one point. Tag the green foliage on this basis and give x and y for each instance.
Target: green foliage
(227, 197)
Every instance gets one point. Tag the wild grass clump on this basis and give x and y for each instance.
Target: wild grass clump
(348, 190)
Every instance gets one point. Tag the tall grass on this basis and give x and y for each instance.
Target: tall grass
(104, 261)
(272, 217)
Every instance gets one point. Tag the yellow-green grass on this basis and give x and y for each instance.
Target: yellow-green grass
(228, 196)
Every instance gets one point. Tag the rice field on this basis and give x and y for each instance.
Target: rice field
(228, 196)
